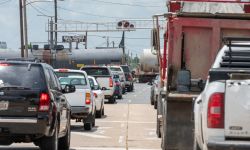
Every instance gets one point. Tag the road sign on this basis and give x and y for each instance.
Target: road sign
(67, 39)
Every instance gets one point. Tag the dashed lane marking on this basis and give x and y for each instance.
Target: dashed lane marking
(107, 148)
(91, 135)
(136, 122)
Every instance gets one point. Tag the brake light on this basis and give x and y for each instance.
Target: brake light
(95, 95)
(215, 114)
(110, 82)
(44, 102)
(63, 70)
(129, 77)
(88, 98)
(3, 65)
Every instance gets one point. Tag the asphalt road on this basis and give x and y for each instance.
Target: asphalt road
(127, 125)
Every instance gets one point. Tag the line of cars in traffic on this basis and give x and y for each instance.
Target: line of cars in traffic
(38, 102)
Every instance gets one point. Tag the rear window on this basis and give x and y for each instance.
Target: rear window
(115, 69)
(22, 75)
(72, 81)
(97, 71)
(68, 74)
(125, 68)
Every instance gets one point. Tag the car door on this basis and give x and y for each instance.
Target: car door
(61, 101)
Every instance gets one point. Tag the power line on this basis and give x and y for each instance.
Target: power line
(125, 4)
(88, 14)
(4, 2)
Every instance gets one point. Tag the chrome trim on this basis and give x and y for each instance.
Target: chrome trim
(18, 120)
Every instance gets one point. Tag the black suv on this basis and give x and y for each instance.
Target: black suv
(32, 106)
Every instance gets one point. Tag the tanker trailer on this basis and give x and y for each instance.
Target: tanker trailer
(148, 67)
(73, 59)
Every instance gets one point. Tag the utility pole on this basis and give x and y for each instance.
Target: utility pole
(51, 35)
(21, 27)
(55, 3)
(107, 41)
(25, 29)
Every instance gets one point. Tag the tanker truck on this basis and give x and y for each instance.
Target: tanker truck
(148, 67)
(194, 34)
(73, 59)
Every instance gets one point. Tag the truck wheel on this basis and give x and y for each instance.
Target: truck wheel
(120, 97)
(98, 114)
(158, 128)
(64, 142)
(103, 111)
(155, 104)
(50, 143)
(112, 100)
(87, 126)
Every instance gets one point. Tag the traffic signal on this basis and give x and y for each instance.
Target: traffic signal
(125, 25)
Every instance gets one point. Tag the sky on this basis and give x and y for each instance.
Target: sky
(80, 10)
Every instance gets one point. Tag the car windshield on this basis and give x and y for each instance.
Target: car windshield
(32, 76)
(97, 71)
(115, 69)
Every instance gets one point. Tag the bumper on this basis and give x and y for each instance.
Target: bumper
(108, 94)
(32, 126)
(228, 145)
(80, 112)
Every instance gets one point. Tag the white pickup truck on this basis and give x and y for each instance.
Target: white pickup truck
(104, 77)
(222, 110)
(82, 101)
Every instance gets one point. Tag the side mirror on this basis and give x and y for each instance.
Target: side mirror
(69, 89)
(104, 88)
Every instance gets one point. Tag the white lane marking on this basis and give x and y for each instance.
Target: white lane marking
(108, 148)
(124, 115)
(91, 135)
(121, 139)
(129, 101)
(136, 122)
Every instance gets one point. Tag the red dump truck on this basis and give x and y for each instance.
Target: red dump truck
(193, 37)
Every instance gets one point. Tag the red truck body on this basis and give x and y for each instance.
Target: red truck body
(192, 39)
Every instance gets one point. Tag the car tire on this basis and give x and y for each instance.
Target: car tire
(88, 126)
(64, 142)
(155, 104)
(103, 111)
(98, 114)
(112, 100)
(120, 97)
(50, 143)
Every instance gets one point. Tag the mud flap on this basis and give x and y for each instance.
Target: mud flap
(178, 127)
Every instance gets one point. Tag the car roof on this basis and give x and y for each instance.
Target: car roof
(69, 70)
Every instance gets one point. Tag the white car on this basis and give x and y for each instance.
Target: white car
(222, 110)
(104, 77)
(99, 96)
(82, 101)
(117, 70)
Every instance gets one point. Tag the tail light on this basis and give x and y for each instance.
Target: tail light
(95, 95)
(88, 98)
(44, 102)
(110, 82)
(117, 83)
(129, 77)
(216, 111)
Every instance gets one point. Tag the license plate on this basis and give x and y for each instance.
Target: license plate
(4, 105)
